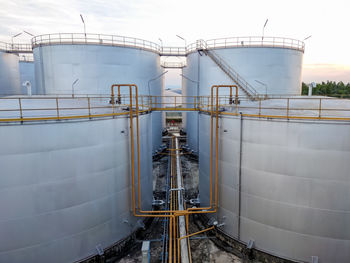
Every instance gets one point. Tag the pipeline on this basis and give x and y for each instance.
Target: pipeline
(143, 213)
(182, 222)
(166, 220)
(177, 215)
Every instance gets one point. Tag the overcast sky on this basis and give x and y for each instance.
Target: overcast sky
(327, 54)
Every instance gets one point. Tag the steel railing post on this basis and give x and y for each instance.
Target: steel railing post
(259, 107)
(20, 108)
(89, 107)
(236, 103)
(57, 109)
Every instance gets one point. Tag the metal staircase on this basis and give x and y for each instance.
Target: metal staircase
(230, 72)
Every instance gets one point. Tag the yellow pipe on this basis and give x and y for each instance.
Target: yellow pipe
(132, 137)
(132, 149)
(173, 216)
(170, 241)
(190, 235)
(171, 199)
(138, 145)
(173, 212)
(172, 203)
(176, 213)
(216, 143)
(188, 240)
(217, 136)
(174, 239)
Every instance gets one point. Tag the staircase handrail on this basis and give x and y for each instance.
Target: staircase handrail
(201, 44)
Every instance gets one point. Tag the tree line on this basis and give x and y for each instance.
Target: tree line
(329, 88)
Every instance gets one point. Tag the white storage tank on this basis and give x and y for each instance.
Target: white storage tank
(65, 187)
(94, 62)
(9, 73)
(294, 181)
(26, 70)
(270, 65)
(283, 183)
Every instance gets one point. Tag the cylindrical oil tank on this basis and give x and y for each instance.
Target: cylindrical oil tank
(9, 74)
(283, 184)
(95, 62)
(26, 70)
(65, 187)
(270, 65)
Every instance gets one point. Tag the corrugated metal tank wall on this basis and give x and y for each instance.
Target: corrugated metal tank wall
(295, 185)
(98, 67)
(26, 70)
(9, 74)
(66, 187)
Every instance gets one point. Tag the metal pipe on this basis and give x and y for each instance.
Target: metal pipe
(131, 137)
(196, 233)
(170, 240)
(166, 221)
(216, 138)
(211, 146)
(216, 145)
(198, 85)
(171, 208)
(146, 213)
(184, 212)
(182, 221)
(138, 145)
(132, 147)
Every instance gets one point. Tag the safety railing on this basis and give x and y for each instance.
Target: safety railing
(300, 107)
(39, 108)
(253, 41)
(3, 46)
(174, 103)
(113, 40)
(97, 39)
(234, 75)
(238, 79)
(15, 48)
(173, 51)
(165, 64)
